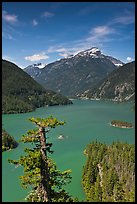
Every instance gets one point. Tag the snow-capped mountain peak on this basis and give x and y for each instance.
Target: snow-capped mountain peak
(94, 52)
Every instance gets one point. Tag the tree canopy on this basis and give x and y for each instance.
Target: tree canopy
(21, 93)
(109, 172)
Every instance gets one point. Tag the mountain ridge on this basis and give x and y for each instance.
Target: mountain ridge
(119, 85)
(73, 75)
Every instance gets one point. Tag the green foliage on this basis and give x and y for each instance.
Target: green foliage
(40, 172)
(109, 172)
(8, 142)
(48, 122)
(21, 93)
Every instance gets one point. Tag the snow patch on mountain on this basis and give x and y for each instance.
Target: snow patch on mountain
(39, 65)
(118, 64)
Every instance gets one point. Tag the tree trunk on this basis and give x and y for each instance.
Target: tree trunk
(46, 189)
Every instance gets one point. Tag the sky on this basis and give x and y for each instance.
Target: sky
(43, 32)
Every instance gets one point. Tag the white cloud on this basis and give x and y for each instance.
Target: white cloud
(129, 59)
(97, 36)
(72, 48)
(124, 20)
(63, 54)
(102, 30)
(37, 57)
(99, 33)
(7, 36)
(9, 18)
(56, 48)
(34, 22)
(48, 14)
(61, 49)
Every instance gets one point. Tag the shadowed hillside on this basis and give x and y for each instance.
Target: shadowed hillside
(21, 93)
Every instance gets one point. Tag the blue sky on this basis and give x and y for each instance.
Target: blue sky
(34, 32)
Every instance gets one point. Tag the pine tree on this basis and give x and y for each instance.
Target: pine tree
(109, 172)
(40, 172)
(118, 193)
(98, 190)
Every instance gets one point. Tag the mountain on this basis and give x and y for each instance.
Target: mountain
(21, 93)
(119, 85)
(115, 61)
(96, 53)
(34, 70)
(75, 74)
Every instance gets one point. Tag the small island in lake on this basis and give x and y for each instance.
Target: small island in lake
(121, 124)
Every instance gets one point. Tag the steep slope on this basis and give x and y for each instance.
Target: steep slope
(109, 172)
(34, 70)
(115, 61)
(75, 74)
(21, 93)
(8, 142)
(119, 85)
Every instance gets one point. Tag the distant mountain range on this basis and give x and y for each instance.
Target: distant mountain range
(119, 85)
(21, 93)
(75, 74)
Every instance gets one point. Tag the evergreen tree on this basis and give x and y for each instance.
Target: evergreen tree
(98, 190)
(40, 172)
(118, 192)
(109, 172)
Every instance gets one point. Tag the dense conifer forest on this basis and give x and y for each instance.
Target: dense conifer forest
(109, 172)
(21, 93)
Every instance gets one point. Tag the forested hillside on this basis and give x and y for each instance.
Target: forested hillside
(21, 93)
(119, 85)
(8, 142)
(109, 172)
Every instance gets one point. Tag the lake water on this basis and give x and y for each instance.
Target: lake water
(86, 121)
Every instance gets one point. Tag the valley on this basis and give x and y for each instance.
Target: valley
(68, 102)
(90, 74)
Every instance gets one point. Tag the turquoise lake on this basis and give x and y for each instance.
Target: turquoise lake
(86, 121)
